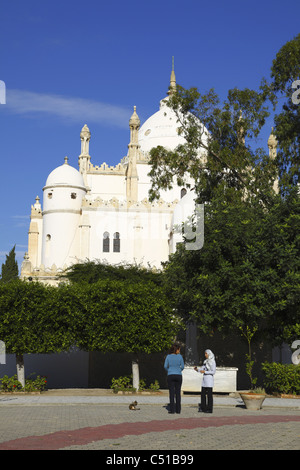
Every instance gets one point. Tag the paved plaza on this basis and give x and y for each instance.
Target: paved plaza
(91, 420)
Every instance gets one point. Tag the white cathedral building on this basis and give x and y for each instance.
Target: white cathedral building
(101, 212)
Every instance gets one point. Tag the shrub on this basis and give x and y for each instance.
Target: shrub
(282, 378)
(39, 384)
(11, 384)
(155, 386)
(124, 384)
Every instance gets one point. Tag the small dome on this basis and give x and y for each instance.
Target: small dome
(65, 175)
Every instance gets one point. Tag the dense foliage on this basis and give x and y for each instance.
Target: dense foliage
(35, 318)
(90, 272)
(247, 272)
(110, 315)
(282, 378)
(121, 316)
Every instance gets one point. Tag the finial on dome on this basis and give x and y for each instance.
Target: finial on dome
(66, 161)
(172, 88)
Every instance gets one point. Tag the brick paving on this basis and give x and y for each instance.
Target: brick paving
(112, 427)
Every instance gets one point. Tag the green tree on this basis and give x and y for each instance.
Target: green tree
(10, 267)
(124, 309)
(247, 273)
(108, 315)
(225, 285)
(219, 154)
(281, 238)
(245, 276)
(220, 285)
(35, 318)
(285, 72)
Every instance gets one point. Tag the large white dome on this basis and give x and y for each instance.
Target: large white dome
(160, 129)
(65, 175)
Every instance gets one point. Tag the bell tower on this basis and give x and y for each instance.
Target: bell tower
(133, 148)
(84, 158)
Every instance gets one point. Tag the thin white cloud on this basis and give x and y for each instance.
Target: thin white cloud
(67, 108)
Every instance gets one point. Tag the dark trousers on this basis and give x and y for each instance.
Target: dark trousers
(206, 399)
(174, 384)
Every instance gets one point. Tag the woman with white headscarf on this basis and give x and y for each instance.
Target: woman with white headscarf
(208, 370)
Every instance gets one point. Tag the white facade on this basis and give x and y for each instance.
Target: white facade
(103, 213)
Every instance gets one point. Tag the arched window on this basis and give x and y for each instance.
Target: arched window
(182, 193)
(117, 241)
(106, 242)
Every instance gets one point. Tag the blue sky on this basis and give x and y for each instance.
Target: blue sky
(66, 63)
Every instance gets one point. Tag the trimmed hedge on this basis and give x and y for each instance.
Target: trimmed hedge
(281, 378)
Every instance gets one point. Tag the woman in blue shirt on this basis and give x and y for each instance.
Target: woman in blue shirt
(174, 366)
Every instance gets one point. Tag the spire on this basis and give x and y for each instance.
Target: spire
(85, 137)
(84, 158)
(172, 88)
(134, 120)
(37, 204)
(133, 149)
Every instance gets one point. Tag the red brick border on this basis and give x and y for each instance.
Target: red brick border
(61, 439)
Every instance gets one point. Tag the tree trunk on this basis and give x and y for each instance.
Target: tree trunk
(135, 375)
(20, 369)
